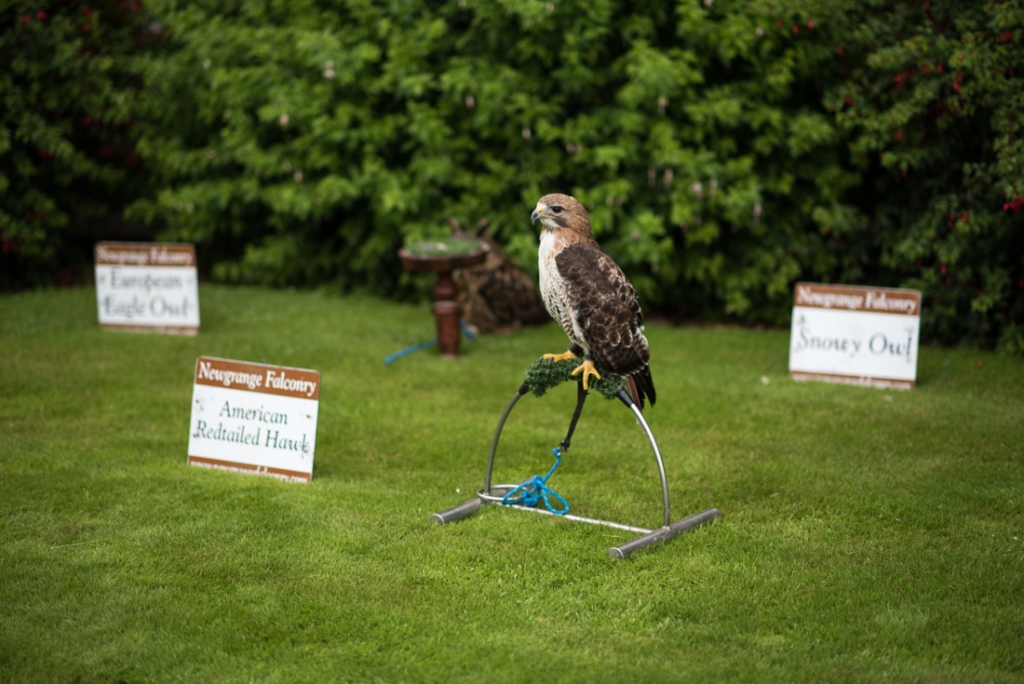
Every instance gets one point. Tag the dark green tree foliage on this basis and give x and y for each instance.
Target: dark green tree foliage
(66, 83)
(725, 149)
(934, 101)
(305, 141)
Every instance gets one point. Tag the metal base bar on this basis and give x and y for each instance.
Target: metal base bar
(579, 518)
(498, 493)
(463, 510)
(665, 533)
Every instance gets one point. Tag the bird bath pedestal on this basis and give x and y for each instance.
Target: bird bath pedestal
(442, 257)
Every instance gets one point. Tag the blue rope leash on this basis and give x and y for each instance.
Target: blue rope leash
(391, 358)
(408, 350)
(531, 492)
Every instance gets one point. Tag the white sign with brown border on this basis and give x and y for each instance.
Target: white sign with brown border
(147, 287)
(855, 335)
(254, 418)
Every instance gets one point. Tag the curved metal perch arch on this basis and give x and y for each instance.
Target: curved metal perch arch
(493, 494)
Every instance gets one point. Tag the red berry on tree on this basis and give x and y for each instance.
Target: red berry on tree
(41, 16)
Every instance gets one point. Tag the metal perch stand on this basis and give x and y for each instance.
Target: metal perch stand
(494, 494)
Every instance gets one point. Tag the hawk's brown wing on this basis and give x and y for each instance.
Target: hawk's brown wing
(605, 307)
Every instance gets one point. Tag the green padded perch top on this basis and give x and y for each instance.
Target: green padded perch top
(543, 375)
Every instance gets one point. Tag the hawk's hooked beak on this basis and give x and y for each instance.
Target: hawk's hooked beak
(538, 213)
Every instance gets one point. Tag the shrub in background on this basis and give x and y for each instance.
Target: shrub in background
(306, 142)
(933, 99)
(66, 162)
(725, 149)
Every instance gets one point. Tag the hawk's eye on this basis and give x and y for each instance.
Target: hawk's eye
(557, 210)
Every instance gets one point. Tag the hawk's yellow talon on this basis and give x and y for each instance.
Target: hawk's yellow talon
(558, 357)
(587, 368)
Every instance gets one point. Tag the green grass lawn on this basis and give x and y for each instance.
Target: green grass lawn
(868, 535)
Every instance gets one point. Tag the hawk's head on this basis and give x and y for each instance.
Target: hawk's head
(561, 211)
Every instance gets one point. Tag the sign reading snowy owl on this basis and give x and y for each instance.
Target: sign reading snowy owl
(856, 335)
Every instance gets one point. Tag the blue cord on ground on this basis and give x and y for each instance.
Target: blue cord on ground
(390, 358)
(531, 492)
(408, 350)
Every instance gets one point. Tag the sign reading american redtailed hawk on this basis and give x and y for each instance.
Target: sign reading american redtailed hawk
(254, 418)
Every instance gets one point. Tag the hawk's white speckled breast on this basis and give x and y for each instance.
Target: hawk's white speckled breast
(553, 288)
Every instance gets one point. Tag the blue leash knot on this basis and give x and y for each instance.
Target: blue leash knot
(532, 491)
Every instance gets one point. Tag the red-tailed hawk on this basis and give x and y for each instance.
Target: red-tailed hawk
(590, 297)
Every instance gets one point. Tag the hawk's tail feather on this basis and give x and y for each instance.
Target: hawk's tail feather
(640, 385)
(634, 393)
